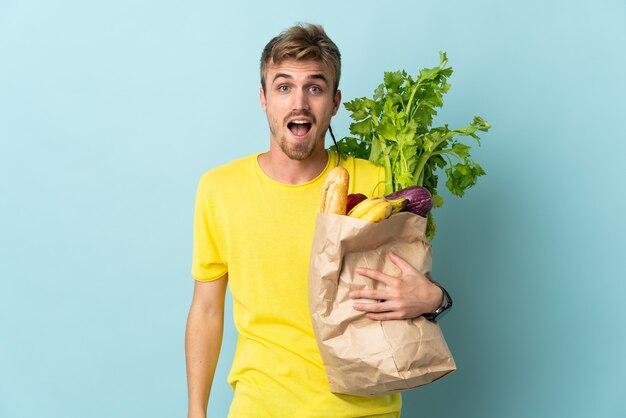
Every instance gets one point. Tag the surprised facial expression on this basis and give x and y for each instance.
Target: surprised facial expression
(299, 101)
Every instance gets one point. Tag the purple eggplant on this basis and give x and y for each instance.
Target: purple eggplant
(420, 199)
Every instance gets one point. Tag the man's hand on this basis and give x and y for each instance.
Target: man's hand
(408, 295)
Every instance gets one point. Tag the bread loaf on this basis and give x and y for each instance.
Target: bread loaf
(335, 191)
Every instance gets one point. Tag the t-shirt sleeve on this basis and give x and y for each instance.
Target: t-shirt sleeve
(207, 261)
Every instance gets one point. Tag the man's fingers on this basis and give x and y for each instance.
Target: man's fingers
(374, 306)
(373, 294)
(376, 275)
(404, 267)
(382, 311)
(400, 262)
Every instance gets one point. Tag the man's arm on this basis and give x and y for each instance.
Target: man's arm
(203, 340)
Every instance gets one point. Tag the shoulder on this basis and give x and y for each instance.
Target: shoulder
(366, 165)
(354, 164)
(234, 171)
(365, 176)
(359, 166)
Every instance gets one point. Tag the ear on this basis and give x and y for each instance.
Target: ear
(336, 101)
(262, 99)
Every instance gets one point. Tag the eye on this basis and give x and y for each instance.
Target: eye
(316, 89)
(283, 88)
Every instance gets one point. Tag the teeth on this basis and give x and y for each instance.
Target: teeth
(300, 122)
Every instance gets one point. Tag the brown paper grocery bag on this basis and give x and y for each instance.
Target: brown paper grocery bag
(362, 356)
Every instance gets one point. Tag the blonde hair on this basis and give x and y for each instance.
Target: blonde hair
(303, 41)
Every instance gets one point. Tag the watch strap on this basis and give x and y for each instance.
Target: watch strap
(446, 304)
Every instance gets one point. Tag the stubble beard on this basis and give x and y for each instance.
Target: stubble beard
(299, 151)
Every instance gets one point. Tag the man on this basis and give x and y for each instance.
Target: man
(253, 228)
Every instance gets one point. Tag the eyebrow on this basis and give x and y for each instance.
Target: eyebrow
(316, 76)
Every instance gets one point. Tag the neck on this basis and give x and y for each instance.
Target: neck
(287, 171)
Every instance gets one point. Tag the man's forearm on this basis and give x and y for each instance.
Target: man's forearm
(202, 347)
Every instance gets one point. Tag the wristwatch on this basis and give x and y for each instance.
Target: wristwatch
(445, 306)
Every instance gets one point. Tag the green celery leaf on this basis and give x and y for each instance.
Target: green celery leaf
(393, 80)
(357, 108)
(431, 226)
(406, 137)
(377, 150)
(437, 201)
(379, 93)
(481, 124)
(462, 177)
(438, 161)
(386, 129)
(363, 127)
(403, 180)
(460, 150)
(353, 147)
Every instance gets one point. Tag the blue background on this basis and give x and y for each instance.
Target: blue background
(111, 111)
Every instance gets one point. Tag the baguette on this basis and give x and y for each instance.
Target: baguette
(335, 191)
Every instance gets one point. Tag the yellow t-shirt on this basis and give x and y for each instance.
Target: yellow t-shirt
(259, 231)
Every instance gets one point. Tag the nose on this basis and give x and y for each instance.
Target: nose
(300, 100)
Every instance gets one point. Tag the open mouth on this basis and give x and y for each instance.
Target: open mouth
(299, 128)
